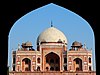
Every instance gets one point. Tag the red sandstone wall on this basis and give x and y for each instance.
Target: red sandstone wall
(52, 73)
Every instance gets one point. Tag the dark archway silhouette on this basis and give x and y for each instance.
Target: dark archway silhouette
(8, 18)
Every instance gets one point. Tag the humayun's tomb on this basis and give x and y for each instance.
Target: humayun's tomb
(52, 56)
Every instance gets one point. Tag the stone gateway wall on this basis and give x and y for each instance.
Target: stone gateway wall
(53, 73)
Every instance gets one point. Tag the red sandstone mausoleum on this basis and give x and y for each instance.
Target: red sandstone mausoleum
(52, 56)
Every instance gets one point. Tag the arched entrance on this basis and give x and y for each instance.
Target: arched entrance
(52, 62)
(77, 64)
(26, 64)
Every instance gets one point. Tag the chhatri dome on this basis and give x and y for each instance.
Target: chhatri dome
(52, 34)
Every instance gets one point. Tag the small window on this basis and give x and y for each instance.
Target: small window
(14, 68)
(38, 48)
(38, 68)
(89, 60)
(65, 60)
(38, 60)
(89, 68)
(14, 60)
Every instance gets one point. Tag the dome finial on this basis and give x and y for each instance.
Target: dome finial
(85, 45)
(51, 24)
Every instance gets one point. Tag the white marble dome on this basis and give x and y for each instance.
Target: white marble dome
(51, 34)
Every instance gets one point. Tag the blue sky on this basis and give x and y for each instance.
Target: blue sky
(29, 26)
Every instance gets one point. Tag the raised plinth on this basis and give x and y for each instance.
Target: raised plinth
(53, 73)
